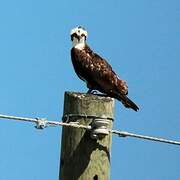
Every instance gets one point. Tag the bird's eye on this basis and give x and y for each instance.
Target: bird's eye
(82, 35)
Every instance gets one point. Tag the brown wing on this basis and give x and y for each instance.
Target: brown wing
(96, 71)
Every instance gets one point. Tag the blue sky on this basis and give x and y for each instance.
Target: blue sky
(141, 40)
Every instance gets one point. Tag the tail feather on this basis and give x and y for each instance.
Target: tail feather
(126, 101)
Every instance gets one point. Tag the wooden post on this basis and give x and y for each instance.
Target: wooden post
(84, 158)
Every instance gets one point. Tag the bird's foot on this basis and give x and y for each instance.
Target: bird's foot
(103, 95)
(91, 91)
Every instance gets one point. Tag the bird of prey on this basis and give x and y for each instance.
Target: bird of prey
(96, 71)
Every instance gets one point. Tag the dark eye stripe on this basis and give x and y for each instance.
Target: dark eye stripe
(74, 35)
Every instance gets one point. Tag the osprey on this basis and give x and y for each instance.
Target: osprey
(96, 71)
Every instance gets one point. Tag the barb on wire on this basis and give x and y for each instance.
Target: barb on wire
(42, 123)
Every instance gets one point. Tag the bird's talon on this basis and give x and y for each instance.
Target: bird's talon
(91, 91)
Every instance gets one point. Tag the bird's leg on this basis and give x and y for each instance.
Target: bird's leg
(95, 92)
(91, 91)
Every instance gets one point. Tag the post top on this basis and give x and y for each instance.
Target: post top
(80, 95)
(88, 104)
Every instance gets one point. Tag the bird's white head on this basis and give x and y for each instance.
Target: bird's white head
(78, 37)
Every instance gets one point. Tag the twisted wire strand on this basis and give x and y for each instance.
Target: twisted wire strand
(42, 123)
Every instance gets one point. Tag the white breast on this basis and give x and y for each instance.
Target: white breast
(80, 45)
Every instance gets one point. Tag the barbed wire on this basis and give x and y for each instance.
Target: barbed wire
(42, 123)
